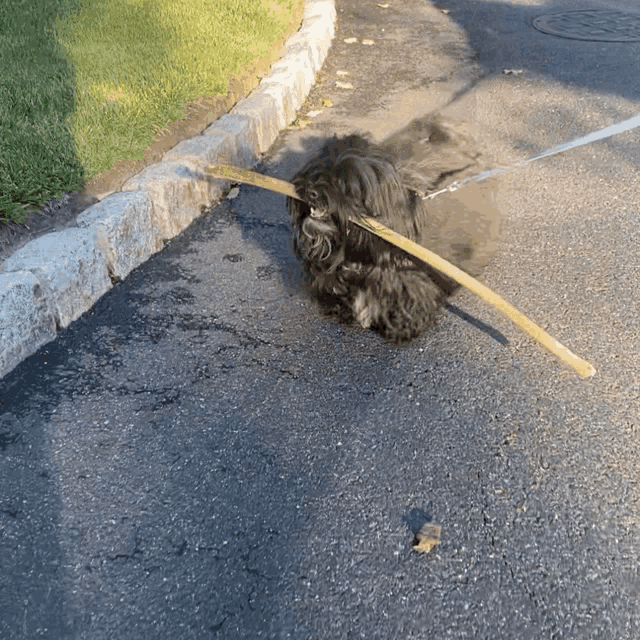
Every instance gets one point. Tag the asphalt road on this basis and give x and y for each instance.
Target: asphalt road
(204, 455)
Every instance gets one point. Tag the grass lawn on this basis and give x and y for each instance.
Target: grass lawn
(85, 84)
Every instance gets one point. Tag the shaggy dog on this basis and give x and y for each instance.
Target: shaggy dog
(360, 277)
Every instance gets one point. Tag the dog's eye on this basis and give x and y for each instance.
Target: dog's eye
(313, 194)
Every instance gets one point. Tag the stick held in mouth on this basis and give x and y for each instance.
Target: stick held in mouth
(582, 367)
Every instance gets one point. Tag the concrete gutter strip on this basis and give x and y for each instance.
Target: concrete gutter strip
(54, 279)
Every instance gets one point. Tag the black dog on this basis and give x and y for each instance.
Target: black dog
(359, 276)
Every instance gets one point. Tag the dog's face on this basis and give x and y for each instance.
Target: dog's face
(318, 218)
(316, 228)
(346, 180)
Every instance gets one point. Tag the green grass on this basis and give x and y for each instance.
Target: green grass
(85, 84)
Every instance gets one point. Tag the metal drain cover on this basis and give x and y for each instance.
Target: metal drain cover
(599, 25)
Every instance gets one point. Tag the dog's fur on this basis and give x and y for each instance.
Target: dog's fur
(359, 276)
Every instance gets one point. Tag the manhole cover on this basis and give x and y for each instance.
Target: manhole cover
(598, 25)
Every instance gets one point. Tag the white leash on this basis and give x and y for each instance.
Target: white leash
(607, 132)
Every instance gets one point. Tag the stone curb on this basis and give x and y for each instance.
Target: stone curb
(54, 279)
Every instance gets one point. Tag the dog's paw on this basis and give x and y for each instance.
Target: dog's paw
(362, 310)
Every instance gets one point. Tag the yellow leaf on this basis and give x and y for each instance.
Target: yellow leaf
(427, 538)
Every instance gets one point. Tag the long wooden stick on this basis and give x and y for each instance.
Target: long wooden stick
(583, 368)
(256, 179)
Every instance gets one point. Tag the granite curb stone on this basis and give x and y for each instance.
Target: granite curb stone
(26, 321)
(71, 268)
(51, 281)
(125, 230)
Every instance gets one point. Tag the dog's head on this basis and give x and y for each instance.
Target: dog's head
(348, 179)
